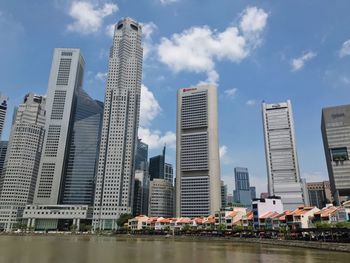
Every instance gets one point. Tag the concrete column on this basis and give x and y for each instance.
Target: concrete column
(33, 223)
(29, 223)
(78, 224)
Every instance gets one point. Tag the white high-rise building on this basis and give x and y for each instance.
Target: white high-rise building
(198, 186)
(114, 182)
(65, 80)
(22, 160)
(3, 109)
(281, 155)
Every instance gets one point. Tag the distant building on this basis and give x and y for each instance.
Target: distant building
(169, 173)
(230, 199)
(281, 154)
(197, 152)
(141, 193)
(320, 194)
(157, 166)
(242, 193)
(252, 192)
(21, 166)
(3, 110)
(261, 206)
(141, 158)
(223, 194)
(264, 195)
(3, 150)
(161, 201)
(335, 129)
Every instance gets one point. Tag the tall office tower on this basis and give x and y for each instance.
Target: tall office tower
(65, 80)
(252, 192)
(223, 194)
(3, 109)
(141, 193)
(157, 166)
(3, 150)
(335, 127)
(281, 155)
(114, 185)
(169, 173)
(242, 193)
(78, 181)
(161, 200)
(197, 152)
(22, 160)
(320, 193)
(141, 158)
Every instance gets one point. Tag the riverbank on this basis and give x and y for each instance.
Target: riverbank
(339, 247)
(330, 246)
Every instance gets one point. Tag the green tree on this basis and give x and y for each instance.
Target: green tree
(221, 227)
(343, 224)
(123, 219)
(323, 225)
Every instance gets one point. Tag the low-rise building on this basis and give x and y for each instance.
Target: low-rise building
(261, 206)
(56, 217)
(301, 217)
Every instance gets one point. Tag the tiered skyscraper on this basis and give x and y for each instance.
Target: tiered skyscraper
(197, 152)
(21, 166)
(281, 155)
(3, 109)
(335, 128)
(113, 195)
(68, 163)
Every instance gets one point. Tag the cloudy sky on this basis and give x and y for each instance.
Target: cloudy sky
(253, 50)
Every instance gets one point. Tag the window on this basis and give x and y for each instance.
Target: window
(339, 154)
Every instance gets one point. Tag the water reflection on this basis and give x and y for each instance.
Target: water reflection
(88, 249)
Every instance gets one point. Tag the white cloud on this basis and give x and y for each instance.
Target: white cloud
(251, 102)
(345, 49)
(198, 48)
(110, 30)
(149, 108)
(298, 63)
(253, 20)
(231, 93)
(155, 139)
(88, 17)
(224, 156)
(223, 151)
(165, 2)
(148, 29)
(102, 76)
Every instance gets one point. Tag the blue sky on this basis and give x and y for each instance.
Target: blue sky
(253, 51)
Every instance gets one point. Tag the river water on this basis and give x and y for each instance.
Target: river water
(86, 249)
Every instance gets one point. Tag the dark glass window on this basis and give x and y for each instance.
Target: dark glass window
(339, 154)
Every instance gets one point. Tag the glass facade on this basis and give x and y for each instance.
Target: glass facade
(79, 179)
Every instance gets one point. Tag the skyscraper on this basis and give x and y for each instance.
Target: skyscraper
(22, 161)
(197, 152)
(141, 193)
(115, 175)
(335, 129)
(157, 166)
(242, 193)
(65, 80)
(281, 155)
(3, 109)
(78, 183)
(252, 192)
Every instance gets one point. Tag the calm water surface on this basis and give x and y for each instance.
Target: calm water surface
(66, 249)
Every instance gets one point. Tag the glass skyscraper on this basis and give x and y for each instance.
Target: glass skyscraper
(242, 192)
(79, 178)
